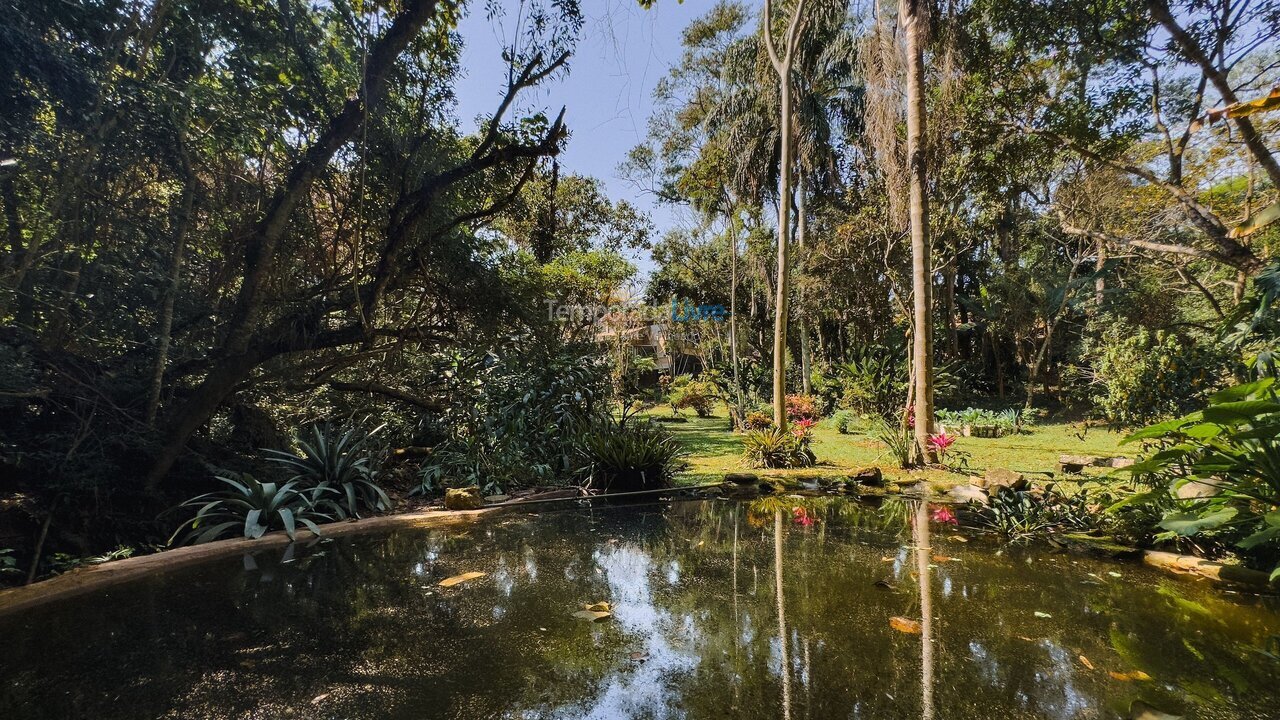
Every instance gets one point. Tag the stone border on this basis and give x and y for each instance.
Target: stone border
(95, 577)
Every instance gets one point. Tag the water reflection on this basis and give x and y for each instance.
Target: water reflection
(359, 628)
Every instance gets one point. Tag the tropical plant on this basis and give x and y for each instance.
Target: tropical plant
(897, 439)
(874, 382)
(757, 421)
(1229, 453)
(8, 563)
(339, 458)
(1149, 376)
(778, 448)
(618, 456)
(255, 508)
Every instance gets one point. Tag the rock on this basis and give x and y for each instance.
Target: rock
(1120, 462)
(870, 476)
(1197, 489)
(1075, 464)
(495, 499)
(742, 478)
(467, 498)
(969, 493)
(1000, 479)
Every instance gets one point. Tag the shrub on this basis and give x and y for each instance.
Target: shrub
(255, 508)
(757, 421)
(338, 458)
(620, 456)
(1148, 376)
(802, 407)
(699, 395)
(841, 421)
(775, 448)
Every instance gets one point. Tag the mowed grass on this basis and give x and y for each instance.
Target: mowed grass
(714, 450)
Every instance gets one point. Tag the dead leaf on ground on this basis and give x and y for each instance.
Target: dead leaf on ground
(593, 615)
(1085, 662)
(905, 625)
(1129, 676)
(456, 579)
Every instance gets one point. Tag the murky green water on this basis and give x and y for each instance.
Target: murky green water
(358, 628)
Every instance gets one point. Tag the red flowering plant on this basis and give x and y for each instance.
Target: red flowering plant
(942, 515)
(941, 442)
(802, 517)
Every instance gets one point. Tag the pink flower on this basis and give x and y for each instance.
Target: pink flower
(802, 517)
(940, 442)
(942, 514)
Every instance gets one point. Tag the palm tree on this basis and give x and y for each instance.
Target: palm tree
(912, 18)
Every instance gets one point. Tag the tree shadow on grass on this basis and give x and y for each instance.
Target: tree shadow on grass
(708, 437)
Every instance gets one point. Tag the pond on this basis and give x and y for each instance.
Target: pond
(359, 627)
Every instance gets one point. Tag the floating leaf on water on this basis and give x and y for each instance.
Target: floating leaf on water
(318, 698)
(598, 607)
(593, 615)
(905, 625)
(1024, 637)
(942, 559)
(885, 585)
(1139, 710)
(639, 656)
(1085, 662)
(886, 559)
(959, 538)
(1129, 676)
(1044, 615)
(1114, 574)
(456, 579)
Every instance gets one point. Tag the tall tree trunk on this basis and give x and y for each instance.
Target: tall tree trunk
(912, 18)
(782, 66)
(802, 224)
(733, 314)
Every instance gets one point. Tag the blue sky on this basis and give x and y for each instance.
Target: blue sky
(622, 52)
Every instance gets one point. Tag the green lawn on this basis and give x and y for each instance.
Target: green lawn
(714, 450)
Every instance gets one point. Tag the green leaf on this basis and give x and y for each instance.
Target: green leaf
(1188, 524)
(1238, 411)
(1261, 537)
(1241, 392)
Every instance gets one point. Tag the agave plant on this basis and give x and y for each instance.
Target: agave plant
(256, 508)
(338, 458)
(624, 457)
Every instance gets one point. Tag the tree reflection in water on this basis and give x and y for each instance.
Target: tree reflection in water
(358, 627)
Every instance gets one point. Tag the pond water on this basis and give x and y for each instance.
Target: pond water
(358, 627)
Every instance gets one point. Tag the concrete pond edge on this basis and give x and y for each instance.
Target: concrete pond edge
(96, 577)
